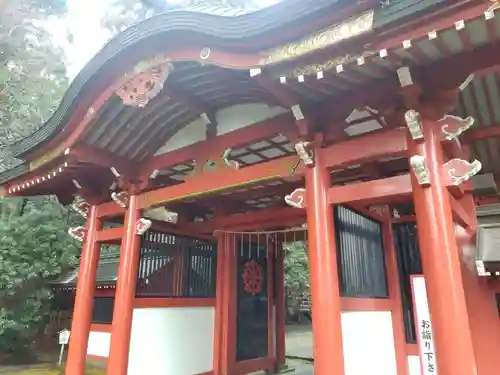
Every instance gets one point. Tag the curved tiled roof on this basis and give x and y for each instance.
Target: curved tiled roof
(228, 28)
(213, 22)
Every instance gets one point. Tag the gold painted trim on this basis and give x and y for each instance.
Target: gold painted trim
(355, 26)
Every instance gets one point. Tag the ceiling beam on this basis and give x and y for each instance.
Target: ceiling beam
(250, 134)
(103, 158)
(373, 146)
(477, 134)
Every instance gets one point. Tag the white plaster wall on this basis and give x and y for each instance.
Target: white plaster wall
(192, 133)
(414, 364)
(228, 120)
(173, 340)
(99, 343)
(368, 342)
(242, 115)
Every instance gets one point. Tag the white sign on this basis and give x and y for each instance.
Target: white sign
(423, 326)
(64, 337)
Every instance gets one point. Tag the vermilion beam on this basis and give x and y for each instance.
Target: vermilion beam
(385, 190)
(224, 180)
(261, 217)
(253, 133)
(390, 143)
(492, 131)
(110, 209)
(376, 145)
(113, 235)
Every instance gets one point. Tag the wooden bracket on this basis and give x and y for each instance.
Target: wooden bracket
(142, 225)
(456, 172)
(453, 126)
(297, 198)
(81, 206)
(420, 170)
(212, 161)
(414, 123)
(78, 233)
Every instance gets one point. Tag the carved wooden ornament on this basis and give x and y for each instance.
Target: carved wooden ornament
(229, 163)
(81, 206)
(78, 233)
(139, 90)
(142, 225)
(460, 170)
(414, 123)
(297, 198)
(453, 126)
(253, 277)
(420, 169)
(305, 153)
(121, 198)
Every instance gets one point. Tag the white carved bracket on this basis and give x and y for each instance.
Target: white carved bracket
(414, 123)
(142, 225)
(81, 206)
(459, 170)
(420, 169)
(453, 126)
(404, 74)
(297, 112)
(77, 233)
(305, 153)
(228, 162)
(297, 198)
(121, 198)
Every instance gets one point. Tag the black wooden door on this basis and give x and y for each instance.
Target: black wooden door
(252, 301)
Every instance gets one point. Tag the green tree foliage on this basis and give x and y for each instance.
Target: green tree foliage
(296, 268)
(296, 276)
(34, 245)
(32, 72)
(34, 248)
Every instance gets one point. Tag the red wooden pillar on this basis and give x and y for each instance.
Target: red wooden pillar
(327, 327)
(219, 303)
(271, 324)
(440, 261)
(125, 293)
(229, 311)
(394, 288)
(84, 299)
(280, 305)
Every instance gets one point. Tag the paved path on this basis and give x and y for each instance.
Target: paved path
(299, 344)
(299, 341)
(301, 368)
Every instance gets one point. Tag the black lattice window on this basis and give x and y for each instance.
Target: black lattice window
(409, 263)
(176, 266)
(361, 260)
(102, 312)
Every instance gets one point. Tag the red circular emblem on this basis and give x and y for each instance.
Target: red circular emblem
(253, 276)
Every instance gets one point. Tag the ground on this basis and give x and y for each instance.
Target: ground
(298, 349)
(299, 341)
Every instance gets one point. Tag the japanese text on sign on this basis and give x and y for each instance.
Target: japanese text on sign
(424, 327)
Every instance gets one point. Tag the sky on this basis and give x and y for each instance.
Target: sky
(83, 21)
